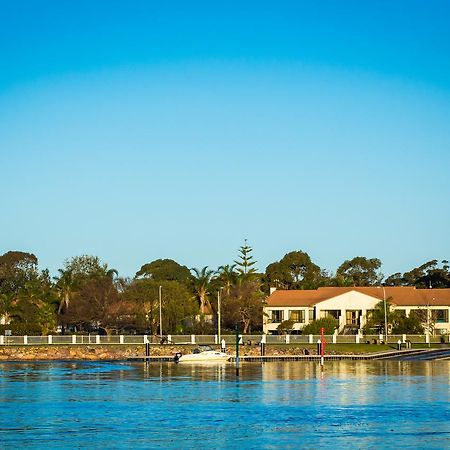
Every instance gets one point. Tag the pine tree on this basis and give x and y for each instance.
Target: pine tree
(245, 264)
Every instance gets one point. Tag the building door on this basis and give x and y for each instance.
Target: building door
(352, 317)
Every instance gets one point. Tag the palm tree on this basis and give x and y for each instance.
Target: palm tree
(201, 280)
(228, 276)
(65, 285)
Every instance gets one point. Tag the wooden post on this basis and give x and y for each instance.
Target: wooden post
(237, 350)
(322, 347)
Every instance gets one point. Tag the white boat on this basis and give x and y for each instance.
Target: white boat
(203, 353)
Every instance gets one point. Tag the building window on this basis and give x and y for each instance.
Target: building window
(298, 316)
(277, 316)
(441, 315)
(311, 315)
(335, 313)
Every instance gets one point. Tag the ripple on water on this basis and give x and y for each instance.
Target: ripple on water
(271, 405)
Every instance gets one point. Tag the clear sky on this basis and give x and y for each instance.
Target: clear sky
(140, 130)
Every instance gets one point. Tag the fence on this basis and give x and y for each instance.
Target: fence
(193, 339)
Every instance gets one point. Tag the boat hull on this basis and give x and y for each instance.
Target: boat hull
(205, 357)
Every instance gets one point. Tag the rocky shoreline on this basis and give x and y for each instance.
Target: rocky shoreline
(123, 352)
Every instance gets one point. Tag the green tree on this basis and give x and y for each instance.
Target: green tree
(86, 267)
(65, 286)
(36, 304)
(94, 305)
(245, 264)
(377, 318)
(243, 305)
(80, 277)
(395, 279)
(227, 276)
(431, 274)
(165, 270)
(294, 271)
(16, 269)
(360, 271)
(406, 325)
(200, 282)
(178, 306)
(7, 302)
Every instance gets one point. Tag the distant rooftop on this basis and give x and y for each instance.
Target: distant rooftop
(400, 296)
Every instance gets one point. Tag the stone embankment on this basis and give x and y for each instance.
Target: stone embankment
(122, 352)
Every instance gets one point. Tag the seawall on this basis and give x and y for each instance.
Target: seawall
(93, 352)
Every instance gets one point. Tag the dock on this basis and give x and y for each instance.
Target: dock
(306, 358)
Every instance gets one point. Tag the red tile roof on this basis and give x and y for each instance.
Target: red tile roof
(400, 296)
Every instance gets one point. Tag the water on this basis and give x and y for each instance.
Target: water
(395, 404)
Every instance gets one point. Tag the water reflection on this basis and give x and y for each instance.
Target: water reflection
(270, 405)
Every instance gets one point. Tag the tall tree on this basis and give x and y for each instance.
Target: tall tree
(200, 281)
(93, 305)
(65, 286)
(245, 263)
(377, 319)
(86, 267)
(294, 271)
(16, 269)
(165, 270)
(244, 305)
(395, 279)
(431, 274)
(227, 276)
(360, 271)
(178, 305)
(36, 305)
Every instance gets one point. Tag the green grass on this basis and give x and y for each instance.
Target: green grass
(352, 348)
(337, 348)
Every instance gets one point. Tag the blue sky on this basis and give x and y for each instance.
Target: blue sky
(141, 130)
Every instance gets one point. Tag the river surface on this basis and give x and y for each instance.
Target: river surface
(373, 405)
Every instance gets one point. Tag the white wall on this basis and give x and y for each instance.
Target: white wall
(349, 301)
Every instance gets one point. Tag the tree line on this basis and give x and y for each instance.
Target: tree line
(89, 296)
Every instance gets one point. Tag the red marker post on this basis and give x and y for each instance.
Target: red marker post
(322, 346)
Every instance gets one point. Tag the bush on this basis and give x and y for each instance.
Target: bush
(20, 329)
(328, 323)
(285, 327)
(407, 325)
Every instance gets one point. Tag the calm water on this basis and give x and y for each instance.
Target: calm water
(274, 405)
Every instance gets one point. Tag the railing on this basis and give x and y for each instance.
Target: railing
(230, 339)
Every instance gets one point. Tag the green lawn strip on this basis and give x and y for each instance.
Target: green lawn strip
(335, 348)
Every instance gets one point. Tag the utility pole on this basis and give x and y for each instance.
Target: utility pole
(218, 314)
(160, 313)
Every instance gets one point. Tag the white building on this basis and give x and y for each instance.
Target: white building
(352, 305)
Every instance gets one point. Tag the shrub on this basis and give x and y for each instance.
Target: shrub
(328, 323)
